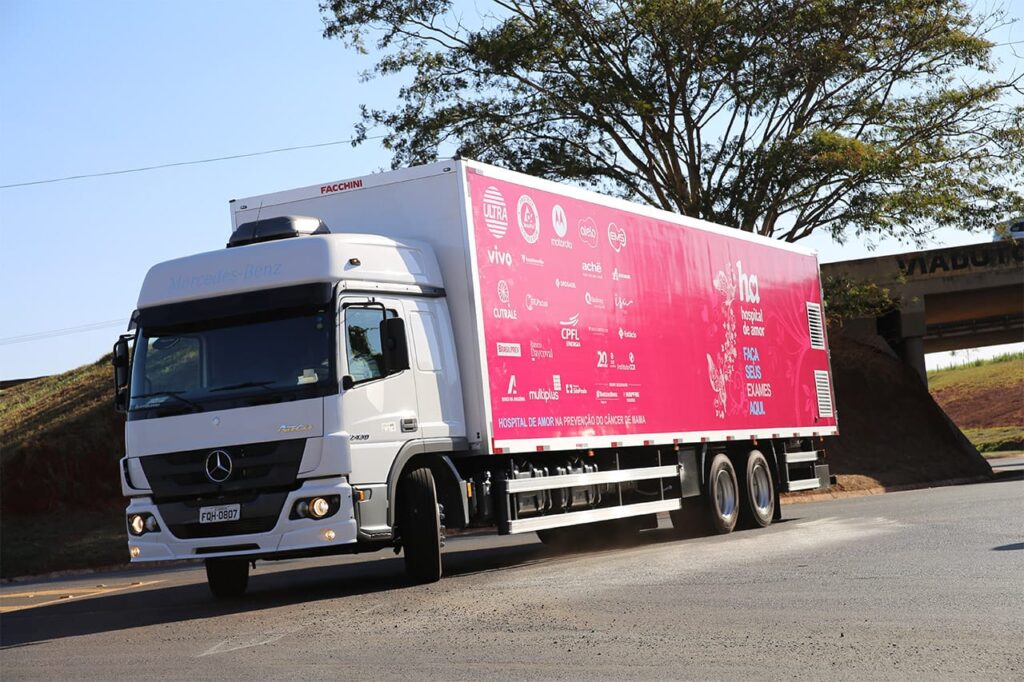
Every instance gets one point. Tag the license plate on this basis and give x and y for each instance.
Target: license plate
(219, 514)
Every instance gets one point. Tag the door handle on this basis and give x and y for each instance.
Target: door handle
(409, 424)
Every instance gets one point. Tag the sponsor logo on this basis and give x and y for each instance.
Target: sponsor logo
(532, 302)
(575, 389)
(570, 332)
(594, 301)
(543, 394)
(495, 212)
(509, 350)
(564, 284)
(616, 237)
(559, 221)
(504, 295)
(532, 261)
(341, 186)
(618, 276)
(621, 303)
(626, 333)
(529, 220)
(627, 368)
(588, 232)
(606, 395)
(597, 330)
(631, 396)
(539, 352)
(592, 269)
(750, 290)
(556, 381)
(498, 257)
(512, 393)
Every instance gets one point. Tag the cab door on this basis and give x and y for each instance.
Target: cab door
(378, 406)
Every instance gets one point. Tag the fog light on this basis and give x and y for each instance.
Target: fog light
(318, 507)
(134, 551)
(328, 534)
(137, 524)
(151, 525)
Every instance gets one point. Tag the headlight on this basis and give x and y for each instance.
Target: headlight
(139, 524)
(318, 507)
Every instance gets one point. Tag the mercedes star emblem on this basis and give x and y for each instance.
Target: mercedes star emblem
(218, 466)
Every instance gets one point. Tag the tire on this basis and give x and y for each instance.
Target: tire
(757, 506)
(692, 519)
(227, 578)
(419, 525)
(723, 499)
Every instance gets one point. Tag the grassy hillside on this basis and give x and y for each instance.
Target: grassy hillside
(985, 399)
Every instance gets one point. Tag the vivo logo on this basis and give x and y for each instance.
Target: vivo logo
(498, 257)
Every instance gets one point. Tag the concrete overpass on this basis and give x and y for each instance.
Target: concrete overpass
(952, 298)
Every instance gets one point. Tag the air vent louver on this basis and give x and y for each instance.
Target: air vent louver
(815, 325)
(824, 392)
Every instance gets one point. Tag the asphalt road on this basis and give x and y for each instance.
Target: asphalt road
(921, 584)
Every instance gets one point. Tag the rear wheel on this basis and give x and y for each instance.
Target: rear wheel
(227, 578)
(419, 525)
(758, 498)
(722, 495)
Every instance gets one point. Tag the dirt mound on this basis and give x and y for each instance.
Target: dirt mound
(891, 430)
(983, 396)
(61, 441)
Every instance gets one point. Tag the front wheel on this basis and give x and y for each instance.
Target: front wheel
(758, 506)
(419, 525)
(227, 578)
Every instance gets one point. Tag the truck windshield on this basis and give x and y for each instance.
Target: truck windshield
(268, 357)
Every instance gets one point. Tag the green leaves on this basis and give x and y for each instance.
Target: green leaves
(776, 116)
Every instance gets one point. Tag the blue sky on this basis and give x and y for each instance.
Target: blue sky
(90, 87)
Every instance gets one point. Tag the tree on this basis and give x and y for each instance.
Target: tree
(779, 117)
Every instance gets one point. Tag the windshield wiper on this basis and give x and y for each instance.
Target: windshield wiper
(173, 394)
(245, 384)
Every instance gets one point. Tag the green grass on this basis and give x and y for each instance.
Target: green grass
(30, 545)
(980, 362)
(997, 438)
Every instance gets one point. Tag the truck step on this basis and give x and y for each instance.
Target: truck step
(591, 515)
(527, 485)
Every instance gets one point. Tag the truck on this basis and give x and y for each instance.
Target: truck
(374, 361)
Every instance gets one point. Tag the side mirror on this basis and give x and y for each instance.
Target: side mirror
(121, 361)
(394, 346)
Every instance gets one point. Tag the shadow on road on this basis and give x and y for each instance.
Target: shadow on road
(183, 603)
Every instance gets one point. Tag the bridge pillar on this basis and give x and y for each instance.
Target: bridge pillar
(913, 327)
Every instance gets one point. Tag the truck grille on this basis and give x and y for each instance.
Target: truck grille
(261, 476)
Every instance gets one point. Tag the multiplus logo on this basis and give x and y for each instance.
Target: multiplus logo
(570, 331)
(588, 232)
(616, 237)
(498, 257)
(495, 212)
(529, 220)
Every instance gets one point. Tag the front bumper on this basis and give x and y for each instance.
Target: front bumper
(288, 535)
